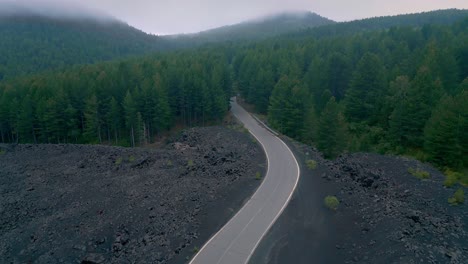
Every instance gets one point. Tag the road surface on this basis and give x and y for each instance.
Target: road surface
(237, 240)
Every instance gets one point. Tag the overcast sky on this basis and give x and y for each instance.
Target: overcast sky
(186, 16)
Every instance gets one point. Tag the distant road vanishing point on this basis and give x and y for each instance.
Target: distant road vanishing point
(236, 241)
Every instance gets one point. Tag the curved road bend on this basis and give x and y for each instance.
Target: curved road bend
(237, 240)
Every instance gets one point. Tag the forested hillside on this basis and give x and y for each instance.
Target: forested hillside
(400, 90)
(270, 26)
(439, 17)
(32, 43)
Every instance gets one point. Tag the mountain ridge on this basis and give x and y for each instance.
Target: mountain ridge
(260, 28)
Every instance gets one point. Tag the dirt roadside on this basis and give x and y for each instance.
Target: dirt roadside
(98, 204)
(386, 215)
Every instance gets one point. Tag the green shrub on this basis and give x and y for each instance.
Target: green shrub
(258, 176)
(169, 163)
(118, 161)
(311, 164)
(457, 198)
(418, 173)
(332, 202)
(131, 159)
(195, 249)
(451, 178)
(190, 163)
(2, 151)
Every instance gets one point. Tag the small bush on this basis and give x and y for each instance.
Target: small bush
(311, 164)
(118, 161)
(451, 178)
(131, 159)
(418, 173)
(258, 176)
(457, 198)
(169, 163)
(190, 163)
(332, 202)
(195, 249)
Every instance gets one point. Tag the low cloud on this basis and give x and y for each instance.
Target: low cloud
(53, 10)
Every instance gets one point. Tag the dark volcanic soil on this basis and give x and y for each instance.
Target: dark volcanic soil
(97, 204)
(386, 215)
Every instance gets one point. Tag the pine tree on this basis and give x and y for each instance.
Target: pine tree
(114, 117)
(287, 105)
(412, 112)
(72, 123)
(441, 134)
(364, 97)
(92, 129)
(331, 131)
(26, 121)
(310, 123)
(131, 115)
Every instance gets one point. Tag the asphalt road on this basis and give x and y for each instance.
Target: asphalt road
(237, 240)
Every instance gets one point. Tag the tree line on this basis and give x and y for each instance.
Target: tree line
(124, 103)
(400, 90)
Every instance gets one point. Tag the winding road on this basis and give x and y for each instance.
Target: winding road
(238, 239)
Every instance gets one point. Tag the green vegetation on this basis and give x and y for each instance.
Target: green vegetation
(118, 161)
(332, 202)
(452, 177)
(418, 173)
(263, 28)
(311, 164)
(258, 176)
(125, 103)
(457, 198)
(30, 44)
(131, 159)
(195, 249)
(169, 163)
(190, 163)
(390, 85)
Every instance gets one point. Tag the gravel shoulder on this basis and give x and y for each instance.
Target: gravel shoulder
(98, 204)
(386, 215)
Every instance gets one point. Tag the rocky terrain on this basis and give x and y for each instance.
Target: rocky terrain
(98, 204)
(386, 215)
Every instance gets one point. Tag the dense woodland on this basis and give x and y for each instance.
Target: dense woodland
(401, 90)
(30, 44)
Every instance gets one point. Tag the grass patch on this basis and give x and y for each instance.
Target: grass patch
(190, 163)
(118, 161)
(332, 202)
(418, 173)
(457, 198)
(131, 158)
(311, 164)
(258, 176)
